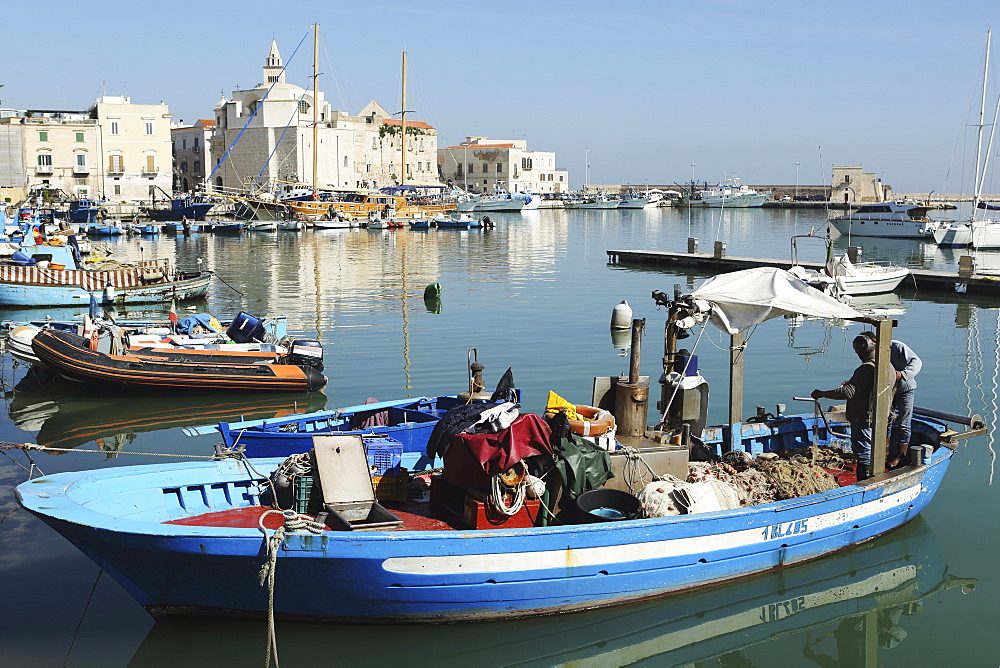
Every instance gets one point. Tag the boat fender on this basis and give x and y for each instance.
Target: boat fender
(109, 293)
(621, 316)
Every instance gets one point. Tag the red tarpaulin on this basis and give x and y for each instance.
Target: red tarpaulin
(472, 459)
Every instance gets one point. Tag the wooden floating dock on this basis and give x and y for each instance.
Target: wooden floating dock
(924, 279)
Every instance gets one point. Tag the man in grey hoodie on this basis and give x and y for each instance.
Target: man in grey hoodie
(907, 366)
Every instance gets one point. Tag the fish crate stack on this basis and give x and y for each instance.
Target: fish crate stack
(385, 457)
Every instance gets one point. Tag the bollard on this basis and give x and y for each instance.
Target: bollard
(966, 266)
(720, 250)
(692, 245)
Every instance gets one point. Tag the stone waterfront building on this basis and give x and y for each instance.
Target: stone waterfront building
(480, 164)
(361, 151)
(852, 185)
(115, 150)
(191, 154)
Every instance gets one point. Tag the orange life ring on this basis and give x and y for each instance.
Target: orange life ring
(596, 422)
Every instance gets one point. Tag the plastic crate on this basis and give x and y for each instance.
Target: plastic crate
(304, 489)
(385, 455)
(392, 487)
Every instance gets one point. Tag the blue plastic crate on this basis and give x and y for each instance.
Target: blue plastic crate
(385, 455)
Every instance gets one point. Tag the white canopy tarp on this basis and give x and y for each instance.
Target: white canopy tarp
(742, 299)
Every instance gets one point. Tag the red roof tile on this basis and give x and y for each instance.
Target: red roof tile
(409, 123)
(484, 146)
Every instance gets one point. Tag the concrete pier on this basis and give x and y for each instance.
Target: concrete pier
(925, 279)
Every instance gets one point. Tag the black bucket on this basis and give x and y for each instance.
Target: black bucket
(608, 505)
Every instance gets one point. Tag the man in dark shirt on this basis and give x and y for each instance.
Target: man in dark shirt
(858, 392)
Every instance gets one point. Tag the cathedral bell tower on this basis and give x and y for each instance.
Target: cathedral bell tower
(273, 69)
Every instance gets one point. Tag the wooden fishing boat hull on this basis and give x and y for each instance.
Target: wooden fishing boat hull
(28, 286)
(421, 576)
(65, 353)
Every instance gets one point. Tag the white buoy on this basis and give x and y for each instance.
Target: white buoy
(621, 316)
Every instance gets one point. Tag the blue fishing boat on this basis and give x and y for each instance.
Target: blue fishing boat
(225, 226)
(420, 224)
(458, 221)
(83, 211)
(149, 230)
(107, 229)
(191, 538)
(54, 276)
(186, 206)
(409, 421)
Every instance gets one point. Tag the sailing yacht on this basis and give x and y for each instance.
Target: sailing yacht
(983, 233)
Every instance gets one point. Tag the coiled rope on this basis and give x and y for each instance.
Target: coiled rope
(498, 495)
(293, 522)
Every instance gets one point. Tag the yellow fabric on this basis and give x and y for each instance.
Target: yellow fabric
(556, 403)
(214, 324)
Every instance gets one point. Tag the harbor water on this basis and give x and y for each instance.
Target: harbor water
(535, 293)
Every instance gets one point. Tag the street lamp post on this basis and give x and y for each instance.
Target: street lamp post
(586, 168)
(796, 181)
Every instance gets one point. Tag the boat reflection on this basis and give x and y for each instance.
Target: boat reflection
(67, 417)
(857, 601)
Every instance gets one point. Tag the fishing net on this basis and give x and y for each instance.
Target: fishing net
(768, 477)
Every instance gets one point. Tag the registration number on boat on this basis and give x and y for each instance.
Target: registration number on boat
(785, 529)
(775, 611)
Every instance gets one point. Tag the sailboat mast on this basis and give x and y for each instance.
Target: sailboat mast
(402, 122)
(982, 113)
(315, 104)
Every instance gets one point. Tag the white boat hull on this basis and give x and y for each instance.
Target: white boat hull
(893, 229)
(957, 236)
(986, 234)
(735, 202)
(513, 205)
(881, 279)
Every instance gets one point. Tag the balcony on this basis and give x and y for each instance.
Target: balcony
(43, 169)
(150, 169)
(81, 170)
(116, 169)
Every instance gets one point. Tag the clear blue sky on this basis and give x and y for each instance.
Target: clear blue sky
(648, 87)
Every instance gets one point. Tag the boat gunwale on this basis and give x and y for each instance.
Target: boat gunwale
(54, 493)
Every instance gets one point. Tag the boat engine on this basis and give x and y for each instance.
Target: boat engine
(305, 352)
(685, 391)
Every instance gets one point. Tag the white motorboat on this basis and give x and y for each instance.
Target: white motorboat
(892, 219)
(633, 200)
(841, 277)
(291, 225)
(499, 200)
(732, 194)
(599, 201)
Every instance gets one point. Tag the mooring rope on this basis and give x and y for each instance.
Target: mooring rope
(293, 522)
(7, 445)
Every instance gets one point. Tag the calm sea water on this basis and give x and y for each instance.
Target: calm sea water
(536, 294)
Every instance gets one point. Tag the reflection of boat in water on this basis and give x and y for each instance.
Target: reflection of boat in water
(69, 419)
(880, 584)
(886, 304)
